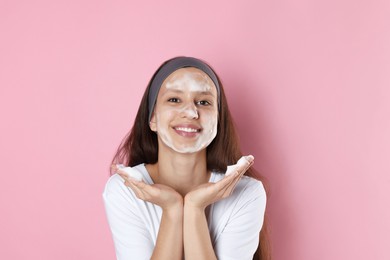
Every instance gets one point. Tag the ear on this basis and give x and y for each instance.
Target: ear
(152, 123)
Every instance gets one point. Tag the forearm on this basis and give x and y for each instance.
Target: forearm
(169, 244)
(196, 235)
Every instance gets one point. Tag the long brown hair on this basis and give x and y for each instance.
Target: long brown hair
(140, 146)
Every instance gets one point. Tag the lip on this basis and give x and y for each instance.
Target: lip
(187, 130)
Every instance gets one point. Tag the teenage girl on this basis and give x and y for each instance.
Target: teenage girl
(178, 199)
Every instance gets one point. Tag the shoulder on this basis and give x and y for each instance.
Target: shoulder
(116, 192)
(114, 184)
(251, 186)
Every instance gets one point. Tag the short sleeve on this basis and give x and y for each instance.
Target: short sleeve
(132, 239)
(240, 236)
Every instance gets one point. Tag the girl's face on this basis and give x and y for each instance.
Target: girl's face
(186, 112)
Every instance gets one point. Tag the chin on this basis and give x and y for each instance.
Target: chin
(188, 150)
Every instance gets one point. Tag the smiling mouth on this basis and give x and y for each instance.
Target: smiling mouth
(187, 129)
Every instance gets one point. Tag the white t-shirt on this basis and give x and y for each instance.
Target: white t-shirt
(234, 222)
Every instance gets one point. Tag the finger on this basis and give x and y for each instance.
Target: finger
(249, 163)
(140, 184)
(114, 167)
(232, 186)
(225, 192)
(120, 171)
(236, 177)
(126, 176)
(144, 190)
(130, 181)
(223, 188)
(242, 169)
(123, 175)
(148, 191)
(117, 166)
(225, 182)
(228, 189)
(134, 188)
(240, 173)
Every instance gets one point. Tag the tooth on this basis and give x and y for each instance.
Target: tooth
(185, 129)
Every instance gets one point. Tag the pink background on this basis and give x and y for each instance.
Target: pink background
(308, 83)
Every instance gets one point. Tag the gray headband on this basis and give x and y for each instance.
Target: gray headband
(171, 66)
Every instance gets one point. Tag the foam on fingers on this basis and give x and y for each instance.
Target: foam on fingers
(241, 162)
(130, 172)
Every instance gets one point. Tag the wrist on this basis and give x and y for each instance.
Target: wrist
(174, 210)
(190, 206)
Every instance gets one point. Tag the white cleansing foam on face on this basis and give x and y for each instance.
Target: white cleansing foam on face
(131, 172)
(192, 82)
(189, 84)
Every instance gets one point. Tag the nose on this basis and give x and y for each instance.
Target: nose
(190, 111)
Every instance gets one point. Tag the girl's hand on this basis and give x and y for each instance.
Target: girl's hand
(159, 194)
(208, 193)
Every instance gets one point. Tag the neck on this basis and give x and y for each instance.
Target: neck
(182, 172)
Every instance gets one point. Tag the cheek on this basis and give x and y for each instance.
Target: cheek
(211, 121)
(163, 117)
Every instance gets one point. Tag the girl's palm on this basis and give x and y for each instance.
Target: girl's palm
(208, 193)
(158, 194)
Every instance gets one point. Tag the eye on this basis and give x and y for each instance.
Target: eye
(203, 103)
(174, 100)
